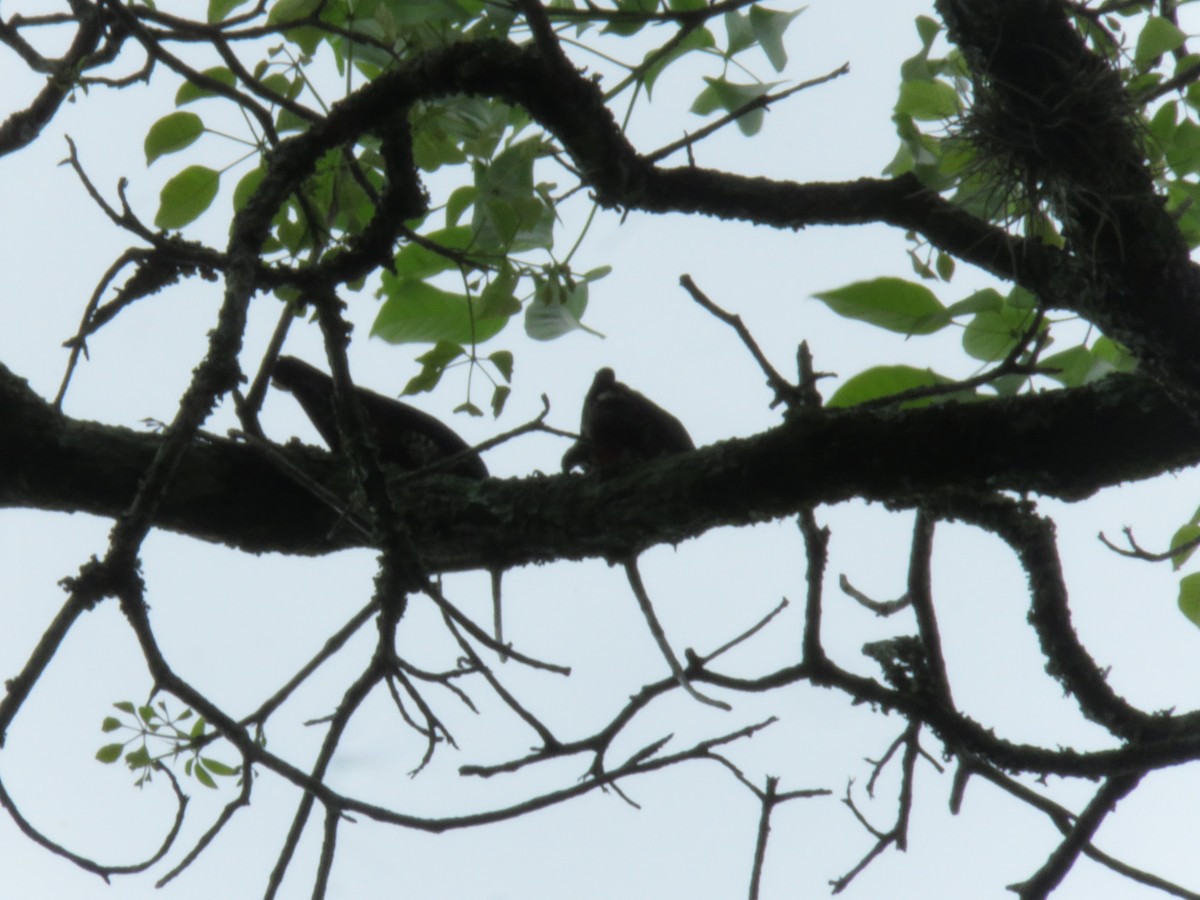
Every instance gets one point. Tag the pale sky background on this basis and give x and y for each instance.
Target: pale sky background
(238, 625)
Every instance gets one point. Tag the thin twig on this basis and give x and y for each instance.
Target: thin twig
(660, 637)
(761, 102)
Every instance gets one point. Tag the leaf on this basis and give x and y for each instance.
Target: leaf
(110, 724)
(186, 196)
(739, 32)
(469, 408)
(884, 381)
(291, 10)
(1110, 351)
(1185, 535)
(927, 100)
(722, 94)
(425, 380)
(1189, 597)
(138, 759)
(945, 266)
(418, 312)
(459, 201)
(503, 361)
(498, 297)
(203, 777)
(189, 91)
(697, 39)
(110, 753)
(124, 706)
(1077, 366)
(988, 299)
(768, 26)
(991, 336)
(1182, 148)
(552, 314)
(891, 303)
(499, 398)
(441, 355)
(218, 10)
(927, 29)
(420, 262)
(217, 767)
(171, 134)
(1158, 36)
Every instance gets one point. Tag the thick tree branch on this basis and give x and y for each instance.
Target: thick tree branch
(1065, 444)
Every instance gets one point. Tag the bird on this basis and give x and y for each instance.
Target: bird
(618, 426)
(405, 436)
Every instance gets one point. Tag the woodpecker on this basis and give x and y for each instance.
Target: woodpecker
(619, 425)
(405, 436)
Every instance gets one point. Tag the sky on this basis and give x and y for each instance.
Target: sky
(239, 625)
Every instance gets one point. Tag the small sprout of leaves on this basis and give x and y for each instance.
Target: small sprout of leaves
(156, 738)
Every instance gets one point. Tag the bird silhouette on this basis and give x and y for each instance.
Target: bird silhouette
(618, 426)
(406, 436)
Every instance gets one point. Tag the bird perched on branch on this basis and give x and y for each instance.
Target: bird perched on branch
(619, 425)
(405, 436)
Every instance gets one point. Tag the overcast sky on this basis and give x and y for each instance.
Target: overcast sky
(238, 626)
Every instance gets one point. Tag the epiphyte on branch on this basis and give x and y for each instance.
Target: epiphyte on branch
(619, 425)
(406, 436)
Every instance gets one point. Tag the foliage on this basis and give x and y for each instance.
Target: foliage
(447, 159)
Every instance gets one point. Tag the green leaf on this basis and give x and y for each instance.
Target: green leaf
(441, 355)
(884, 381)
(556, 310)
(459, 201)
(124, 706)
(417, 312)
(498, 297)
(768, 26)
(420, 262)
(739, 31)
(110, 753)
(218, 10)
(186, 196)
(1158, 36)
(991, 336)
(945, 266)
(217, 767)
(110, 724)
(927, 100)
(722, 94)
(203, 777)
(146, 713)
(197, 728)
(1182, 148)
(1077, 366)
(425, 380)
(499, 398)
(986, 300)
(1185, 535)
(246, 187)
(891, 303)
(291, 10)
(138, 759)
(189, 91)
(171, 134)
(597, 273)
(1110, 351)
(927, 29)
(469, 408)
(697, 39)
(503, 361)
(1189, 597)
